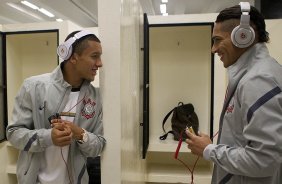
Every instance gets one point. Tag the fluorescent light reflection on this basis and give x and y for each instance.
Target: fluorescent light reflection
(41, 10)
(23, 10)
(163, 8)
(30, 5)
(45, 12)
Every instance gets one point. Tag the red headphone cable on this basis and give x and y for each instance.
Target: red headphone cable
(177, 152)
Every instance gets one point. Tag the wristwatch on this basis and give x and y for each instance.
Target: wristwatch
(84, 137)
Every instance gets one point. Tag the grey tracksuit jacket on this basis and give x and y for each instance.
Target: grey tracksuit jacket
(29, 130)
(249, 149)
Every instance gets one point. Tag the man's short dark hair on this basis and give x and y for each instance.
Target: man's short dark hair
(82, 43)
(257, 20)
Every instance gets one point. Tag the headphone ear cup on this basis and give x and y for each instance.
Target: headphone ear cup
(64, 51)
(242, 37)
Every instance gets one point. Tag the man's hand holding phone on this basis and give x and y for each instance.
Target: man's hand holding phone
(61, 133)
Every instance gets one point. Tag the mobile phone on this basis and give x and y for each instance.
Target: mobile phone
(191, 130)
(54, 116)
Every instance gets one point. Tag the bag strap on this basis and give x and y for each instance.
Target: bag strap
(166, 117)
(180, 103)
(163, 137)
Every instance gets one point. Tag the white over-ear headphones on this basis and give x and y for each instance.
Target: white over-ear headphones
(243, 35)
(64, 50)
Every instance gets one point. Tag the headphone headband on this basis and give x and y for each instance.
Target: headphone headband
(64, 50)
(245, 7)
(243, 35)
(245, 17)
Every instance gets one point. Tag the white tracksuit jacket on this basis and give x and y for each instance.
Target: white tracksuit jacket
(249, 149)
(29, 130)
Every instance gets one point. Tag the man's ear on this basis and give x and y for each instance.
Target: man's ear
(74, 58)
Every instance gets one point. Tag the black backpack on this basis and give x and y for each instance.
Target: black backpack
(183, 117)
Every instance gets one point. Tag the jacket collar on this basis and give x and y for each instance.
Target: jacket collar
(246, 60)
(57, 77)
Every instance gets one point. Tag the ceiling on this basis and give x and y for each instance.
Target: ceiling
(271, 9)
(85, 12)
(81, 12)
(175, 7)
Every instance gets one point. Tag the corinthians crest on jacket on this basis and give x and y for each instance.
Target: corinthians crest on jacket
(230, 106)
(88, 110)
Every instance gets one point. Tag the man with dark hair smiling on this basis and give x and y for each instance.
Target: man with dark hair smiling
(57, 117)
(249, 148)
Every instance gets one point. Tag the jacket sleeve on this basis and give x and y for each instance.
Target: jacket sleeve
(20, 131)
(96, 141)
(260, 100)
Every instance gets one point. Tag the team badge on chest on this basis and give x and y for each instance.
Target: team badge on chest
(230, 106)
(89, 108)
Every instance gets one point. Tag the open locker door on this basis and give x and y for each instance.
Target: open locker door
(146, 88)
(3, 92)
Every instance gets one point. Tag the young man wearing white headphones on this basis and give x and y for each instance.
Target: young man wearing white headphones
(57, 117)
(249, 148)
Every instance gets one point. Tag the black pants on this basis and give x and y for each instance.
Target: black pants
(94, 170)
